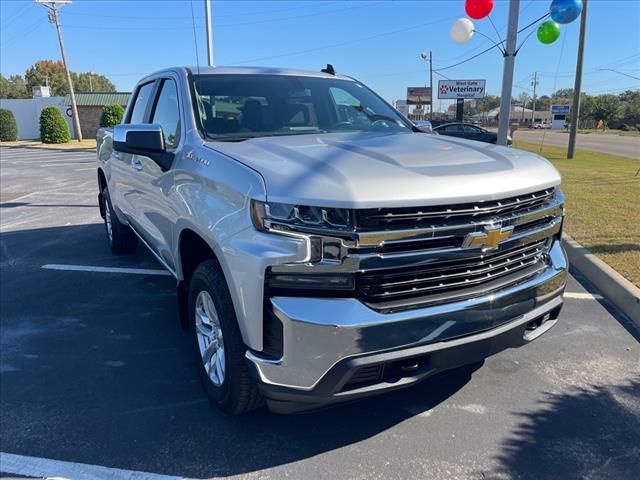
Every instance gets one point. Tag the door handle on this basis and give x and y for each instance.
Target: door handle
(137, 164)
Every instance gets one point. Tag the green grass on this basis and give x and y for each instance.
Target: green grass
(603, 204)
(630, 133)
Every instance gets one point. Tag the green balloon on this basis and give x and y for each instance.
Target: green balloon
(548, 32)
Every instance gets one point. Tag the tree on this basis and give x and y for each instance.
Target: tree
(8, 127)
(630, 107)
(543, 103)
(52, 72)
(48, 72)
(564, 95)
(605, 108)
(487, 103)
(91, 82)
(111, 115)
(13, 87)
(53, 128)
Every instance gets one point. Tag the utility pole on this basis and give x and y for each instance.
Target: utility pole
(534, 83)
(207, 17)
(575, 108)
(52, 6)
(431, 84)
(507, 74)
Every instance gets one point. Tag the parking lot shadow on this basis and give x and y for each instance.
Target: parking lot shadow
(593, 432)
(94, 368)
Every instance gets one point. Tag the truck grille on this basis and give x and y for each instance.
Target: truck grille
(453, 277)
(374, 219)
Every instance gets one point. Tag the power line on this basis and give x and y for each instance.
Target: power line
(348, 42)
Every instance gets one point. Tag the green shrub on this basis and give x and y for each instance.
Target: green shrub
(625, 128)
(638, 127)
(8, 127)
(111, 115)
(53, 128)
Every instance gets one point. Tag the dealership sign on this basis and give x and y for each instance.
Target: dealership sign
(419, 96)
(453, 89)
(560, 109)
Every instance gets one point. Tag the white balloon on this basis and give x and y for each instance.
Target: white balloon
(462, 30)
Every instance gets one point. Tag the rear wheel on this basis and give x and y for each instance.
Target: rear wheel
(217, 343)
(119, 236)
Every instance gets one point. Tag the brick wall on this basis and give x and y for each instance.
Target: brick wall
(89, 120)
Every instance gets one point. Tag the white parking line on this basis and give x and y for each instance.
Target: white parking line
(44, 467)
(90, 268)
(583, 296)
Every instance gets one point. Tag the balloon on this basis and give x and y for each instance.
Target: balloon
(548, 32)
(565, 11)
(478, 8)
(462, 30)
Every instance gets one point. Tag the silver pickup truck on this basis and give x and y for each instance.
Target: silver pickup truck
(324, 247)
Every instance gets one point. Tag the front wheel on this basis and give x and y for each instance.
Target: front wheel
(217, 343)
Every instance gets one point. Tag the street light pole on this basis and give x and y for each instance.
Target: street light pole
(575, 108)
(507, 74)
(52, 6)
(207, 15)
(534, 82)
(431, 84)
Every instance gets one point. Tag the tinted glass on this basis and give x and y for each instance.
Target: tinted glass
(167, 114)
(245, 106)
(453, 128)
(141, 102)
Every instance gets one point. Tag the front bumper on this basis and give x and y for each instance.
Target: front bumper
(328, 341)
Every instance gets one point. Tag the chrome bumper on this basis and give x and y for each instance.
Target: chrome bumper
(321, 333)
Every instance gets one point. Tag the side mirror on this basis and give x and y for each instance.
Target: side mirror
(142, 139)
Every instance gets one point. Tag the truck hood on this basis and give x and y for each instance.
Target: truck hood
(367, 170)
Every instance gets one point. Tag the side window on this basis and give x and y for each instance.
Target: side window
(453, 128)
(141, 102)
(167, 114)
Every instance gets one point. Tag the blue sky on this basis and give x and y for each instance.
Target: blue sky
(377, 41)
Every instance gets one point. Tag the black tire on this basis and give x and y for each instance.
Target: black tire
(121, 239)
(237, 393)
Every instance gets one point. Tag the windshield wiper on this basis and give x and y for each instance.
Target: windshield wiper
(242, 138)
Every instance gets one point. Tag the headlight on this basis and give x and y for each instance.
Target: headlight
(286, 217)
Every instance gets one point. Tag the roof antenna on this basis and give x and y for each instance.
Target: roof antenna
(329, 69)
(195, 37)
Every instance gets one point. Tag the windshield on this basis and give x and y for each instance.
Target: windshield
(238, 107)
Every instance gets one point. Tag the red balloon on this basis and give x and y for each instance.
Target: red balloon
(478, 8)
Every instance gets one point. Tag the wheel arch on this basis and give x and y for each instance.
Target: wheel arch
(192, 248)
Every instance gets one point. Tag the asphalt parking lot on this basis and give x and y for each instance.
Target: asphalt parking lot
(96, 372)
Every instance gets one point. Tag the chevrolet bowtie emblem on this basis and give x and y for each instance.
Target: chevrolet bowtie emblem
(490, 238)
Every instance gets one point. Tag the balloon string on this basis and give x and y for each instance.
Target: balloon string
(491, 40)
(531, 32)
(492, 46)
(494, 27)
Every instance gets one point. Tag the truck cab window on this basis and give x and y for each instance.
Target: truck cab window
(141, 102)
(167, 114)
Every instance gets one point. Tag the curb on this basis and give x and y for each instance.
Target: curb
(51, 149)
(617, 289)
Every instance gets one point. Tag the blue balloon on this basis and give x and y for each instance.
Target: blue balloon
(565, 11)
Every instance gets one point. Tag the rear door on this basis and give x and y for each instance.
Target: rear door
(122, 172)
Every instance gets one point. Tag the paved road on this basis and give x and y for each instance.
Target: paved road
(627, 146)
(95, 372)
